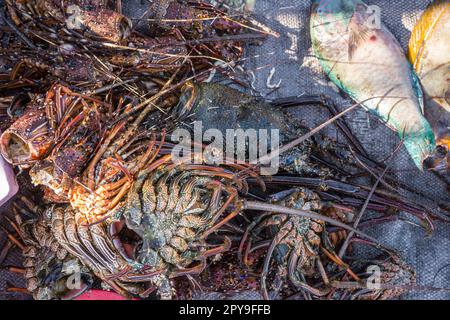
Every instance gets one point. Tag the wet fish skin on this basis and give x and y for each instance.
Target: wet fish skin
(429, 53)
(429, 50)
(368, 63)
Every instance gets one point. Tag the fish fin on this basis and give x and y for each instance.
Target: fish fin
(424, 29)
(418, 90)
(356, 38)
(420, 145)
(358, 31)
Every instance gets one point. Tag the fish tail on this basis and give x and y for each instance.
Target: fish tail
(420, 145)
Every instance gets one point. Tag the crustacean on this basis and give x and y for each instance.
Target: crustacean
(316, 162)
(297, 243)
(94, 247)
(92, 16)
(62, 256)
(383, 278)
(50, 271)
(319, 166)
(301, 248)
(176, 211)
(59, 135)
(216, 106)
(197, 20)
(107, 48)
(128, 179)
(55, 136)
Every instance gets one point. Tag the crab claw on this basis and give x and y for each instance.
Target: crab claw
(28, 139)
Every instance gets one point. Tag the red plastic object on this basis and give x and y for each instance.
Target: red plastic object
(101, 295)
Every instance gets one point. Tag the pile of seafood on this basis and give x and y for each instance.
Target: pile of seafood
(91, 108)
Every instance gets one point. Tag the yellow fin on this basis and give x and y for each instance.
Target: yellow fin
(424, 29)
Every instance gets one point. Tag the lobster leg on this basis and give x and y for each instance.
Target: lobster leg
(13, 269)
(5, 250)
(144, 277)
(12, 238)
(335, 258)
(243, 258)
(276, 241)
(219, 249)
(18, 290)
(194, 270)
(294, 264)
(232, 197)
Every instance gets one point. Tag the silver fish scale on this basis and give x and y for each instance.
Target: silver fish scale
(299, 72)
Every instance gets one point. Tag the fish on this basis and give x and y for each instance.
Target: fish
(429, 53)
(364, 59)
